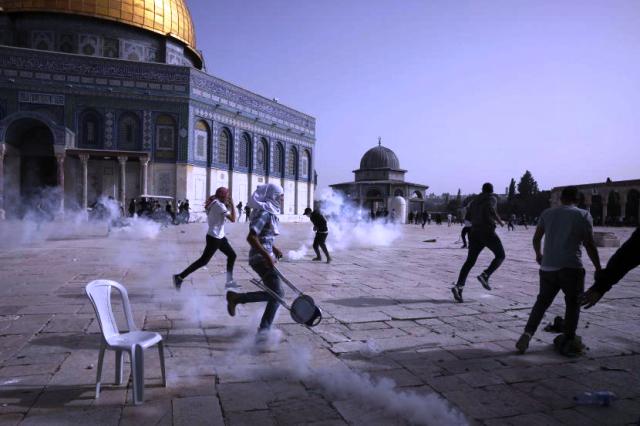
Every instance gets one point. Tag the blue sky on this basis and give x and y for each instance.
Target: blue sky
(463, 91)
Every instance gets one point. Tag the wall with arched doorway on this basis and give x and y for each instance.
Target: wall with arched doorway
(612, 203)
(30, 178)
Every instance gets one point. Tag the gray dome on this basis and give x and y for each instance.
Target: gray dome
(379, 157)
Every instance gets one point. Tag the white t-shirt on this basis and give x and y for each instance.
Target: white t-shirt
(216, 215)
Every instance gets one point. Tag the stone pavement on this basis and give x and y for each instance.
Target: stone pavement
(388, 314)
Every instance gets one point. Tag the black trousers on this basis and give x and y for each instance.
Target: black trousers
(210, 248)
(464, 233)
(478, 240)
(623, 260)
(571, 282)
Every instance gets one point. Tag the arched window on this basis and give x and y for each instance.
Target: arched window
(292, 162)
(261, 155)
(129, 131)
(306, 164)
(165, 133)
(223, 146)
(244, 150)
(201, 139)
(90, 128)
(278, 161)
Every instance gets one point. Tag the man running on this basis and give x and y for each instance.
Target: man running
(219, 208)
(484, 216)
(266, 204)
(322, 232)
(564, 228)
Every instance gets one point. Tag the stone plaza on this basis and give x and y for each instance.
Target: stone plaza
(388, 314)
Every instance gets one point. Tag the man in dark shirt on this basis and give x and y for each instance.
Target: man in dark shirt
(320, 226)
(623, 260)
(483, 215)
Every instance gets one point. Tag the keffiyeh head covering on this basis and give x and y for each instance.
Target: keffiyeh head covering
(267, 198)
(221, 195)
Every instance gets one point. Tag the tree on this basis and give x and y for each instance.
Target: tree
(528, 185)
(512, 190)
(459, 197)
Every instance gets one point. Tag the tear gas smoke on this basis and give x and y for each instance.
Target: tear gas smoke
(350, 226)
(374, 394)
(298, 254)
(41, 219)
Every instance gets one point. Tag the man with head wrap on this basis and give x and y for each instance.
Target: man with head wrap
(219, 207)
(266, 203)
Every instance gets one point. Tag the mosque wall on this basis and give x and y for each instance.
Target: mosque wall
(97, 104)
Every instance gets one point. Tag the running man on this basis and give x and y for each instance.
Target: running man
(564, 229)
(322, 232)
(266, 203)
(483, 216)
(219, 208)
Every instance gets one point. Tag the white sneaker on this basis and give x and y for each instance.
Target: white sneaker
(231, 284)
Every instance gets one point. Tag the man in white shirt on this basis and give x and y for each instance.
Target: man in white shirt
(219, 208)
(565, 229)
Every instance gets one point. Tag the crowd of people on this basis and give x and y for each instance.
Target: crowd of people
(565, 229)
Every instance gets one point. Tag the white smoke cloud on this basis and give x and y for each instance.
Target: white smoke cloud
(375, 394)
(349, 226)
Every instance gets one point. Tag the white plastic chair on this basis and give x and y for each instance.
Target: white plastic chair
(133, 341)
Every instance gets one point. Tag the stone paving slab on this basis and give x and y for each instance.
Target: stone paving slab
(392, 349)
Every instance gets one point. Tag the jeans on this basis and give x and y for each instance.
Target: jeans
(623, 260)
(213, 244)
(271, 279)
(478, 240)
(571, 282)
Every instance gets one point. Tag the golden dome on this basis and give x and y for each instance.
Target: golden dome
(167, 17)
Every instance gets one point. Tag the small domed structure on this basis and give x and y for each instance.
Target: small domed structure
(380, 186)
(379, 157)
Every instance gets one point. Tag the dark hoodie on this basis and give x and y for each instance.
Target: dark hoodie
(482, 212)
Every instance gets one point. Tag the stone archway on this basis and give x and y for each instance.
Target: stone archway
(374, 201)
(582, 201)
(597, 209)
(632, 208)
(613, 209)
(30, 172)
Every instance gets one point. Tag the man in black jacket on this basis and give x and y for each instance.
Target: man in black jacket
(322, 232)
(484, 216)
(623, 260)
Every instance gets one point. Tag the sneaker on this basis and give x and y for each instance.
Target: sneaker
(317, 259)
(262, 337)
(457, 293)
(523, 343)
(231, 284)
(484, 280)
(177, 281)
(569, 347)
(232, 301)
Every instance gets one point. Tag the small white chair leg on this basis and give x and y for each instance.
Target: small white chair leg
(137, 372)
(119, 359)
(99, 372)
(161, 354)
